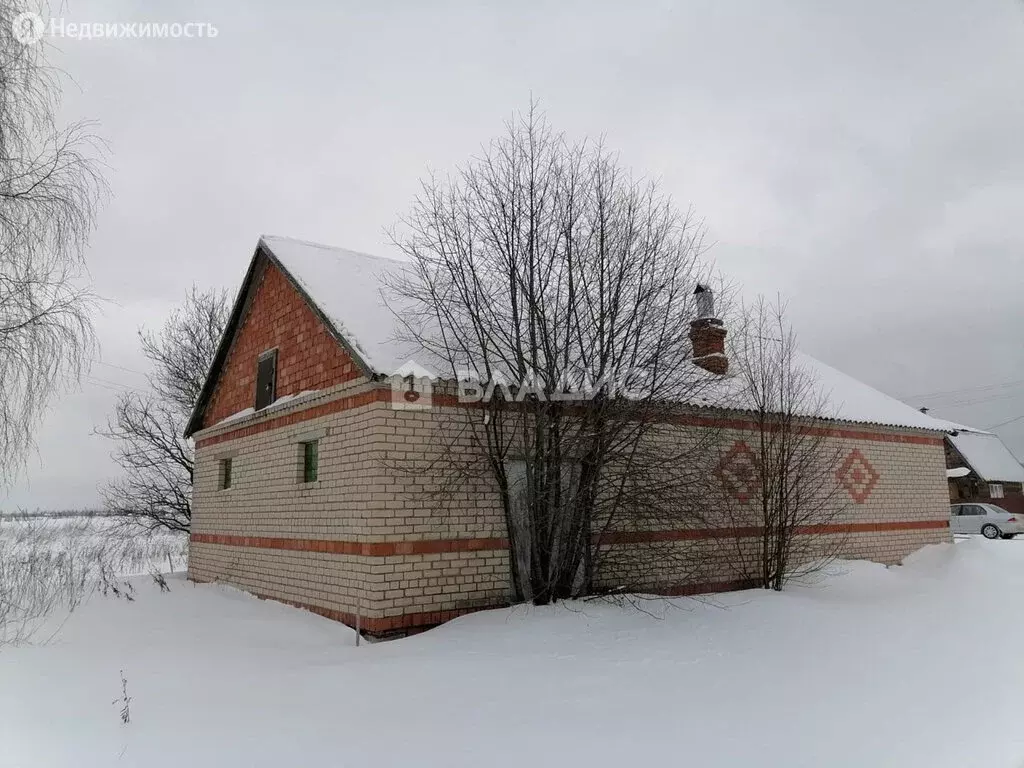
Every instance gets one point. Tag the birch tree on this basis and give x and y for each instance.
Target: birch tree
(51, 186)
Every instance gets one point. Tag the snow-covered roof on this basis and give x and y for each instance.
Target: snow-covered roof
(350, 289)
(347, 287)
(988, 456)
(852, 400)
(843, 398)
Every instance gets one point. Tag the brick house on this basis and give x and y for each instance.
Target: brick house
(296, 435)
(981, 468)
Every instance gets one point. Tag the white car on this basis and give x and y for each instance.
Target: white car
(990, 521)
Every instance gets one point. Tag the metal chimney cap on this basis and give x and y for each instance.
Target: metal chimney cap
(705, 299)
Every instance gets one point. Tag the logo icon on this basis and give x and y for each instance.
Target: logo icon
(28, 28)
(411, 387)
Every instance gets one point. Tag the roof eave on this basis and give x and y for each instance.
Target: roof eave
(196, 418)
(830, 419)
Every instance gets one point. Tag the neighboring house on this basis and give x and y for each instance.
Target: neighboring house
(981, 468)
(300, 494)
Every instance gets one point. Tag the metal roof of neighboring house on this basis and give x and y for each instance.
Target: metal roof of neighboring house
(988, 456)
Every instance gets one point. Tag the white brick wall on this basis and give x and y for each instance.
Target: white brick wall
(375, 488)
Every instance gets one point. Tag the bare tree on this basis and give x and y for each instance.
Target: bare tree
(50, 188)
(563, 287)
(158, 462)
(782, 495)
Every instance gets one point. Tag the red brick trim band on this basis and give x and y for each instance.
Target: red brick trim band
(367, 549)
(372, 625)
(425, 619)
(643, 537)
(297, 417)
(428, 547)
(689, 590)
(720, 422)
(845, 433)
(690, 420)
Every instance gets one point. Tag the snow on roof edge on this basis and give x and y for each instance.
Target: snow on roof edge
(283, 239)
(346, 288)
(988, 456)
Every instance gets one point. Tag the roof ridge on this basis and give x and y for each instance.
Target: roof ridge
(269, 238)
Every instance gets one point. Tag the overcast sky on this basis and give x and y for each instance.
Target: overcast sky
(864, 159)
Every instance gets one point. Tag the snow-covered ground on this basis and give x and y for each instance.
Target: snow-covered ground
(920, 665)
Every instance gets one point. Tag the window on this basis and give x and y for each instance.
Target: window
(225, 474)
(310, 461)
(266, 379)
(995, 490)
(515, 473)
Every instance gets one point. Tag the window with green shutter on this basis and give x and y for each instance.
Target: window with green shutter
(225, 474)
(310, 460)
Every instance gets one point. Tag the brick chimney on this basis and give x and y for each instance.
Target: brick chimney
(707, 334)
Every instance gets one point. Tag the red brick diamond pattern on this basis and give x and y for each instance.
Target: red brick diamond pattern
(857, 476)
(738, 472)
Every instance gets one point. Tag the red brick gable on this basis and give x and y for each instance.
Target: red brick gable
(308, 356)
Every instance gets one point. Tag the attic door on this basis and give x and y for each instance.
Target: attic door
(266, 379)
